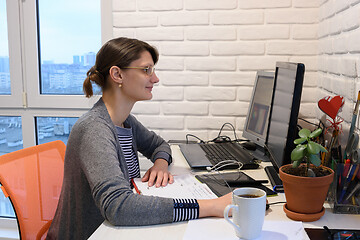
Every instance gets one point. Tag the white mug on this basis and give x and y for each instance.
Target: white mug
(248, 211)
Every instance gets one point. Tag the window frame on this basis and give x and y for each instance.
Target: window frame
(25, 100)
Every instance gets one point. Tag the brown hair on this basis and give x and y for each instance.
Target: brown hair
(119, 52)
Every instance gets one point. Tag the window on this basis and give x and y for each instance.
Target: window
(53, 128)
(4, 52)
(43, 63)
(67, 44)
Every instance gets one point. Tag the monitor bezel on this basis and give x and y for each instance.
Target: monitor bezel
(247, 134)
(295, 107)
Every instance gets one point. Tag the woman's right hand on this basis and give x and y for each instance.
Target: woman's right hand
(214, 207)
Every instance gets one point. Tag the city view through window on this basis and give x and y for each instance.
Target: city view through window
(5, 88)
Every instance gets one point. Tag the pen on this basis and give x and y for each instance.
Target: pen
(234, 183)
(346, 184)
(136, 188)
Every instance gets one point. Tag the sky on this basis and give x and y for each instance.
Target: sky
(67, 28)
(4, 49)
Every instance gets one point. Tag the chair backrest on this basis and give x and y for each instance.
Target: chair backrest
(32, 178)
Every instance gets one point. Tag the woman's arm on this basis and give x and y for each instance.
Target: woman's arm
(214, 207)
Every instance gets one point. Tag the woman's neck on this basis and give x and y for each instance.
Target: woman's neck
(119, 108)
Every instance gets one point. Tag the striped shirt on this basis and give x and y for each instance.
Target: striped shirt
(184, 209)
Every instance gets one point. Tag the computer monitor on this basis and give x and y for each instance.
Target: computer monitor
(282, 130)
(257, 118)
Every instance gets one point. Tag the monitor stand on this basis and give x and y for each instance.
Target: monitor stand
(260, 154)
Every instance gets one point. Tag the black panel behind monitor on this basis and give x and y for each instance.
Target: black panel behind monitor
(282, 130)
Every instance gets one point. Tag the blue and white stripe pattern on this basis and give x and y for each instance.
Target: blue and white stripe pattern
(132, 162)
(185, 209)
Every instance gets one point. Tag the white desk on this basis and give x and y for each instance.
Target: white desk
(177, 230)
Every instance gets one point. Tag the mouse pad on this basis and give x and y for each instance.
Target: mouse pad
(216, 182)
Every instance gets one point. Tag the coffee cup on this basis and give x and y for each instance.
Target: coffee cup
(248, 211)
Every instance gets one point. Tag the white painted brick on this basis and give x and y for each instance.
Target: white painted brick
(128, 20)
(348, 66)
(240, 123)
(159, 5)
(335, 24)
(306, 3)
(295, 16)
(210, 94)
(310, 79)
(309, 95)
(210, 33)
(170, 63)
(308, 110)
(260, 63)
(123, 32)
(263, 32)
(210, 64)
(353, 2)
(237, 17)
(207, 122)
(353, 43)
(244, 93)
(232, 79)
(351, 19)
(160, 34)
(324, 28)
(162, 122)
(185, 49)
(184, 78)
(168, 93)
(340, 6)
(184, 18)
(338, 44)
(228, 109)
(237, 48)
(185, 108)
(245, 4)
(146, 107)
(124, 6)
(181, 135)
(292, 48)
(333, 65)
(326, 10)
(207, 5)
(311, 62)
(305, 31)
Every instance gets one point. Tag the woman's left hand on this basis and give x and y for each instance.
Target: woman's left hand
(158, 174)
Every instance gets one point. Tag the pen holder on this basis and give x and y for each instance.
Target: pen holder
(344, 194)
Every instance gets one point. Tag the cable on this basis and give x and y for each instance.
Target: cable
(276, 203)
(191, 135)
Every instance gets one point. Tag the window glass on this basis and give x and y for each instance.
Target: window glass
(69, 37)
(10, 140)
(53, 128)
(4, 52)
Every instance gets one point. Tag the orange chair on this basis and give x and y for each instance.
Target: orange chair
(32, 179)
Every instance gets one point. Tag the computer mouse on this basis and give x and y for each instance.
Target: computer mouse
(249, 146)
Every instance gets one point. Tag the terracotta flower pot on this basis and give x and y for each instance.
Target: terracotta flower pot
(305, 195)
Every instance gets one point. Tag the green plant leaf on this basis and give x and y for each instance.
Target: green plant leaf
(300, 140)
(322, 149)
(314, 159)
(304, 133)
(313, 147)
(295, 164)
(315, 133)
(298, 153)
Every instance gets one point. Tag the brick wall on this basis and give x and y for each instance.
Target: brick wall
(210, 51)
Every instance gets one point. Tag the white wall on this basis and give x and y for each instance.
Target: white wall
(211, 49)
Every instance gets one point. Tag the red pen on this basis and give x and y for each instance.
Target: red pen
(136, 188)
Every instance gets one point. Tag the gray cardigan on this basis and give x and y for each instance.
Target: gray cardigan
(96, 181)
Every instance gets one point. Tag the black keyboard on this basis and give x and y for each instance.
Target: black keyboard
(217, 152)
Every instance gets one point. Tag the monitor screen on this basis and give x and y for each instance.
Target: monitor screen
(282, 130)
(257, 118)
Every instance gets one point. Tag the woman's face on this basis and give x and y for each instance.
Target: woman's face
(137, 85)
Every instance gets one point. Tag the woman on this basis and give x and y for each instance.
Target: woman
(101, 154)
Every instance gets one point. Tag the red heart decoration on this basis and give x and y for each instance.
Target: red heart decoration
(331, 105)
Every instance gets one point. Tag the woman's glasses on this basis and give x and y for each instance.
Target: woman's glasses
(148, 70)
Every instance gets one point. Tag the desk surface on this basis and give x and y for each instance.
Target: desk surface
(177, 230)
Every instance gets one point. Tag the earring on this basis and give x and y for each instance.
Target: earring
(120, 85)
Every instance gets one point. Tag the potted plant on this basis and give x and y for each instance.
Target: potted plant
(305, 181)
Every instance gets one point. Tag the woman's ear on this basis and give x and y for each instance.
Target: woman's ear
(116, 74)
